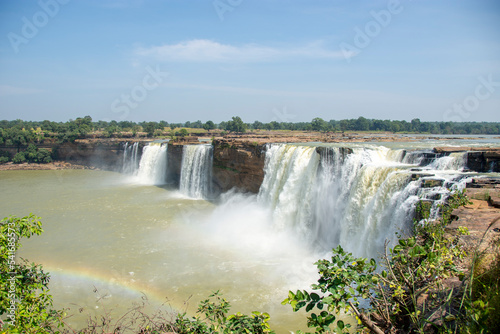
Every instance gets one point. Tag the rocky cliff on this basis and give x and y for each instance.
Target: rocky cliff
(238, 164)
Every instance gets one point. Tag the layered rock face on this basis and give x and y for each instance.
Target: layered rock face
(101, 154)
(238, 164)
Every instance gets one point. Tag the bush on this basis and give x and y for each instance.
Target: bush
(4, 157)
(19, 158)
(43, 156)
(214, 309)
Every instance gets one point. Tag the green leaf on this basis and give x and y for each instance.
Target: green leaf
(314, 296)
(309, 307)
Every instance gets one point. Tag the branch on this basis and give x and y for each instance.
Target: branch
(366, 320)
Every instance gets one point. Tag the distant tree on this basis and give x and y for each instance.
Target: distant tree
(415, 123)
(209, 125)
(135, 129)
(112, 129)
(150, 128)
(222, 125)
(257, 125)
(198, 124)
(319, 124)
(80, 126)
(276, 125)
(163, 125)
(236, 125)
(362, 124)
(183, 132)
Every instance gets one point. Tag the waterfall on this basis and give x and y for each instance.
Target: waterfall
(287, 187)
(454, 161)
(130, 158)
(358, 197)
(153, 165)
(196, 171)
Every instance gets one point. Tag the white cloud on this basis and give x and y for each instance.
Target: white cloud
(203, 50)
(11, 90)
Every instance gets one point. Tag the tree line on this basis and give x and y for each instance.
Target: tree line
(21, 133)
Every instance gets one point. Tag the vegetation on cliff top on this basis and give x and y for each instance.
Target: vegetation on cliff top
(20, 133)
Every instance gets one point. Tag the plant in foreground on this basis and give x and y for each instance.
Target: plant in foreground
(417, 292)
(213, 318)
(25, 302)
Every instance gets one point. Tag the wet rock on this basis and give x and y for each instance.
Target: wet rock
(328, 152)
(432, 183)
(417, 176)
(484, 182)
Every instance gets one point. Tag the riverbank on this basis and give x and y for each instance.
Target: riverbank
(57, 165)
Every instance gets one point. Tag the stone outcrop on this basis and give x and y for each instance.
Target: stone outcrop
(479, 159)
(238, 164)
(100, 154)
(174, 163)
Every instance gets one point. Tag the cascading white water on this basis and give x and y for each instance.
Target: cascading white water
(358, 197)
(362, 199)
(130, 158)
(196, 171)
(289, 176)
(454, 161)
(153, 165)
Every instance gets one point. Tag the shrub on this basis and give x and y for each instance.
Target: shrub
(19, 158)
(43, 156)
(215, 320)
(25, 300)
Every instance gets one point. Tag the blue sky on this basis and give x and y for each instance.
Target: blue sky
(180, 60)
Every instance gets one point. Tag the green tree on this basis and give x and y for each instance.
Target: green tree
(236, 125)
(25, 302)
(362, 124)
(257, 125)
(415, 124)
(150, 128)
(209, 125)
(319, 124)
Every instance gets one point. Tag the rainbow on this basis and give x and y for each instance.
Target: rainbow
(91, 280)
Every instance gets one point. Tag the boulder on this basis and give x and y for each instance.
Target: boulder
(432, 183)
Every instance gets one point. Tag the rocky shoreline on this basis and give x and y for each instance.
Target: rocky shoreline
(57, 165)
